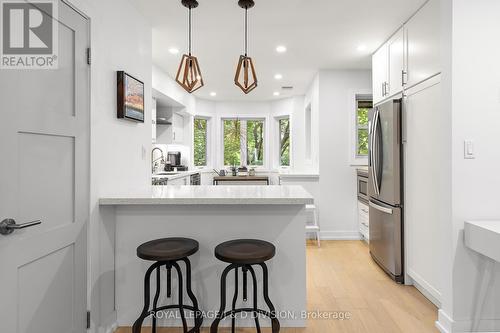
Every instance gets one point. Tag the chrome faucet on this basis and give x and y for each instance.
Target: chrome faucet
(153, 161)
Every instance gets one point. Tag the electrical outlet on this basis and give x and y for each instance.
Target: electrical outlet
(469, 152)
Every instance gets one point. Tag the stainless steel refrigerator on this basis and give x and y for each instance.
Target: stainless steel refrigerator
(385, 188)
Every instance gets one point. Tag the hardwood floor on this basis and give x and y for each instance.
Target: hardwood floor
(342, 277)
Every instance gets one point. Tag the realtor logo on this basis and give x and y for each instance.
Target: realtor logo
(29, 32)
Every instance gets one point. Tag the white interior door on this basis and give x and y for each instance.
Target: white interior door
(44, 175)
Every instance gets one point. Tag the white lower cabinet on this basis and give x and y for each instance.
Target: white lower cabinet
(364, 220)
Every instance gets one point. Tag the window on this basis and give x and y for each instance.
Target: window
(243, 142)
(200, 141)
(363, 107)
(284, 147)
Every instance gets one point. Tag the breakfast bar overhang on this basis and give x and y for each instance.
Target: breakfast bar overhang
(210, 215)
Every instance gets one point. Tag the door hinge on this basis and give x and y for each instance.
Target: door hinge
(88, 319)
(89, 56)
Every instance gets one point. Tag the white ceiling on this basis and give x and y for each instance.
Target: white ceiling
(319, 34)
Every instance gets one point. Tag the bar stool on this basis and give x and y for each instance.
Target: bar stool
(244, 253)
(166, 253)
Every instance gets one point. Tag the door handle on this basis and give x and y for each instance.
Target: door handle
(380, 208)
(8, 226)
(375, 152)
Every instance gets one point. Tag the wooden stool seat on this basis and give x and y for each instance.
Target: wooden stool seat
(167, 249)
(245, 251)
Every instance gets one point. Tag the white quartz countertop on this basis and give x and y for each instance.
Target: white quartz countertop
(483, 237)
(215, 195)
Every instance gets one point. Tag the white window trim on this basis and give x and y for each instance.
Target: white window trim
(245, 118)
(277, 135)
(209, 142)
(354, 159)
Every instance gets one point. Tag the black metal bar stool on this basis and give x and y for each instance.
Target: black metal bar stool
(167, 252)
(244, 253)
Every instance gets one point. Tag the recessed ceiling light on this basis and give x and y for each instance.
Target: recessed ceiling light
(361, 47)
(281, 49)
(276, 93)
(173, 50)
(213, 94)
(278, 76)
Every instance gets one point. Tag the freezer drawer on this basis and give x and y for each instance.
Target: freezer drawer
(386, 237)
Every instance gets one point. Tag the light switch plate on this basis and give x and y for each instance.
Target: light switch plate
(469, 151)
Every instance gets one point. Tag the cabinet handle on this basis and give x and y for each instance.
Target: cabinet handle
(383, 89)
(174, 136)
(404, 77)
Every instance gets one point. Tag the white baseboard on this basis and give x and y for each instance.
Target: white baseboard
(340, 235)
(445, 324)
(431, 293)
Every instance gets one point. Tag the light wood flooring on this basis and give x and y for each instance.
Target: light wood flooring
(343, 277)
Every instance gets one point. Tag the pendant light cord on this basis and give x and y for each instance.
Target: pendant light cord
(189, 37)
(246, 31)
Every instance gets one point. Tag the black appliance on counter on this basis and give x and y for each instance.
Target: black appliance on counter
(174, 162)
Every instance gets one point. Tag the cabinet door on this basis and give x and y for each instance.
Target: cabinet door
(395, 50)
(153, 115)
(427, 184)
(380, 61)
(177, 128)
(423, 43)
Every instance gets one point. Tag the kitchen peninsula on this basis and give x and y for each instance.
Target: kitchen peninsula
(211, 215)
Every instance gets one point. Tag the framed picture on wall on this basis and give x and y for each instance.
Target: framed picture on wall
(130, 97)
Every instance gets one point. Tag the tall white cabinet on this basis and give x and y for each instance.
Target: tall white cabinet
(427, 177)
(408, 65)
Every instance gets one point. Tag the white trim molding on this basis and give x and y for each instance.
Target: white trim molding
(444, 323)
(341, 235)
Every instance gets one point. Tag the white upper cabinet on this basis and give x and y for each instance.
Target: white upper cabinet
(410, 56)
(153, 117)
(177, 128)
(380, 64)
(423, 43)
(395, 51)
(388, 66)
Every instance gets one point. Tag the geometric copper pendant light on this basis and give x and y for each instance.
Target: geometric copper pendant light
(246, 77)
(189, 74)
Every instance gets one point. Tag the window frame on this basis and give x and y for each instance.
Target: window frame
(355, 97)
(207, 138)
(358, 127)
(264, 135)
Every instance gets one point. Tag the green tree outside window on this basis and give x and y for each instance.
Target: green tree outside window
(200, 142)
(284, 125)
(362, 114)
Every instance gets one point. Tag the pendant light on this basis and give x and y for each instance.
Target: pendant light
(245, 77)
(189, 73)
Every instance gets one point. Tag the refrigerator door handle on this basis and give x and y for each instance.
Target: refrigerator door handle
(375, 153)
(372, 156)
(380, 208)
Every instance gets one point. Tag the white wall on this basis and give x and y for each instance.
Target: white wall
(119, 148)
(332, 99)
(475, 183)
